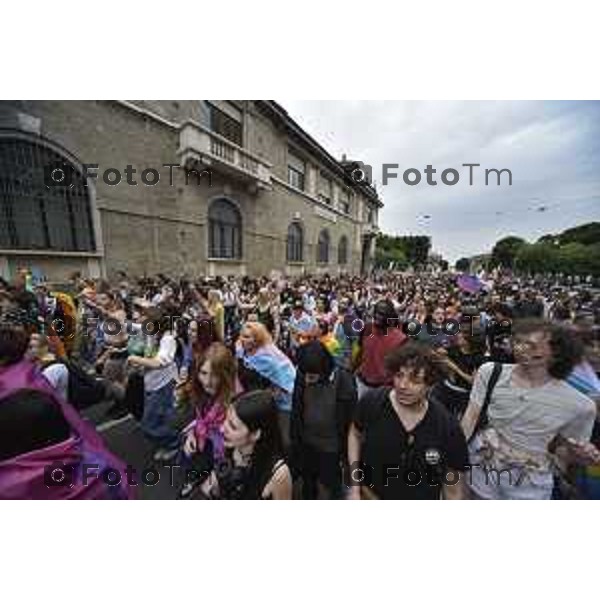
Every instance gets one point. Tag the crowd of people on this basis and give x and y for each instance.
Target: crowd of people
(396, 386)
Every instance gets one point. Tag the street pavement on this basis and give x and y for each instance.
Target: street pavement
(126, 440)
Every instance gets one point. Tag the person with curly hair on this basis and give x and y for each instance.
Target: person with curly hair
(532, 414)
(403, 444)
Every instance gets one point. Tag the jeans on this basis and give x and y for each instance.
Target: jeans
(159, 416)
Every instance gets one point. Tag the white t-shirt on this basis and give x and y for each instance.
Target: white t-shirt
(529, 418)
(154, 379)
(58, 377)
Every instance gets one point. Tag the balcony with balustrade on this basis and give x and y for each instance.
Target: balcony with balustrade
(201, 147)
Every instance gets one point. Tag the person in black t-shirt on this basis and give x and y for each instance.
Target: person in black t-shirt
(402, 444)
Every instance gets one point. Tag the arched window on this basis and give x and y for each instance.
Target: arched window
(343, 250)
(224, 230)
(323, 247)
(44, 203)
(294, 243)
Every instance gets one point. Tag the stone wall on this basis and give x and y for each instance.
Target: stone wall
(163, 228)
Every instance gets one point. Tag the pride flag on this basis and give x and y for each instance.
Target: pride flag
(469, 283)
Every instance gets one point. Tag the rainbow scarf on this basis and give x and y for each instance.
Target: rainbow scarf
(332, 345)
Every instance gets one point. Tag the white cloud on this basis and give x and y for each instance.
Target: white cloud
(552, 149)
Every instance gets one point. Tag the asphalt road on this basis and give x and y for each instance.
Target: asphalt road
(125, 439)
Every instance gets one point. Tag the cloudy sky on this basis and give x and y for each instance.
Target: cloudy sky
(551, 148)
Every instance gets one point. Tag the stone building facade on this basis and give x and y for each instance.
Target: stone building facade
(253, 193)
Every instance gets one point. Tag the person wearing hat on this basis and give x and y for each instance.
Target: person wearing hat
(323, 404)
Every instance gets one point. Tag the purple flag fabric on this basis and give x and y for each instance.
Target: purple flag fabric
(469, 283)
(22, 477)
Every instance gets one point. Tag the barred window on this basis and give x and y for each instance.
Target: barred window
(295, 243)
(224, 230)
(323, 247)
(39, 213)
(343, 250)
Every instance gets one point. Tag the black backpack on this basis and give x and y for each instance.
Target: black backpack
(84, 390)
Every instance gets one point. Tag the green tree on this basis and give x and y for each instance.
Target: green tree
(584, 234)
(463, 264)
(409, 249)
(537, 258)
(385, 256)
(578, 259)
(549, 239)
(506, 250)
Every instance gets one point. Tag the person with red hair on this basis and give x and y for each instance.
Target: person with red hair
(212, 386)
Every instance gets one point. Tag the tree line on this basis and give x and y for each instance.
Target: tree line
(575, 251)
(400, 252)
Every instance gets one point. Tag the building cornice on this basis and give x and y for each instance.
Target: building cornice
(277, 111)
(315, 200)
(146, 113)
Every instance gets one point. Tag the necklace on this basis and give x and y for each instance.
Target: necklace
(244, 457)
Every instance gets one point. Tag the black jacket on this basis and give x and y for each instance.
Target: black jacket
(346, 399)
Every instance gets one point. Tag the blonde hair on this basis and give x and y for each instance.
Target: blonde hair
(214, 296)
(259, 333)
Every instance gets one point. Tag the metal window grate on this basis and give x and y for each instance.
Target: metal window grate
(343, 251)
(294, 243)
(224, 230)
(323, 247)
(34, 216)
